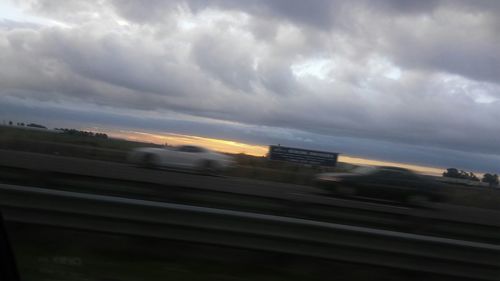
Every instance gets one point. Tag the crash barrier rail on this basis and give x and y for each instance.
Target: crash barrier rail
(361, 245)
(270, 198)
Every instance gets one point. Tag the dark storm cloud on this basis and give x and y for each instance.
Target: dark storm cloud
(373, 77)
(453, 43)
(228, 60)
(465, 46)
(404, 6)
(119, 61)
(317, 13)
(106, 70)
(153, 11)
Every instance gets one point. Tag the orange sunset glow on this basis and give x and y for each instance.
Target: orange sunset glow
(229, 146)
(180, 139)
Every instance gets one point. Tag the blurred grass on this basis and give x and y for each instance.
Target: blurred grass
(486, 197)
(9, 133)
(58, 143)
(46, 253)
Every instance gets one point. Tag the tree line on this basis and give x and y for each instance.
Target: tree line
(22, 124)
(67, 131)
(491, 179)
(75, 132)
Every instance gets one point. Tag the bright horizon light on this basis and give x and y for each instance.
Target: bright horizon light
(235, 147)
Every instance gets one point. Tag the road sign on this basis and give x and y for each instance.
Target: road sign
(302, 156)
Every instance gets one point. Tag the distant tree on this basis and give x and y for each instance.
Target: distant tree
(491, 179)
(473, 177)
(33, 125)
(10, 123)
(22, 124)
(460, 174)
(451, 173)
(75, 132)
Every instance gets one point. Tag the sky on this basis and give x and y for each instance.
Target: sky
(403, 81)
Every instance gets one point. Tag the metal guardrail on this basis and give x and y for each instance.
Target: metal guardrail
(477, 261)
(125, 181)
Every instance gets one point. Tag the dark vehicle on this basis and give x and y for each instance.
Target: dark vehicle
(386, 183)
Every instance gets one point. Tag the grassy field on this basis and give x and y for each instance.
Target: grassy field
(27, 139)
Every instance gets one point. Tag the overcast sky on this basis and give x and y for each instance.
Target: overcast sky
(411, 81)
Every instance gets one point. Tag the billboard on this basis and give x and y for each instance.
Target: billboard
(302, 156)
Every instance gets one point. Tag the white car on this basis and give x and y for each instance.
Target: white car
(184, 157)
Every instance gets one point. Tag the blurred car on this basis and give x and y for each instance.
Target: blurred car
(185, 157)
(386, 183)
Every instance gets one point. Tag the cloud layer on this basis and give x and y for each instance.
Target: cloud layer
(412, 73)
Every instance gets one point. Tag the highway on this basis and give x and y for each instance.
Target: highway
(300, 220)
(127, 172)
(123, 180)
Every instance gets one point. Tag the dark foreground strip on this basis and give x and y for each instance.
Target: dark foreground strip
(450, 257)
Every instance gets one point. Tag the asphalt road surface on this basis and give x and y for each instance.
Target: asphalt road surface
(77, 167)
(446, 223)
